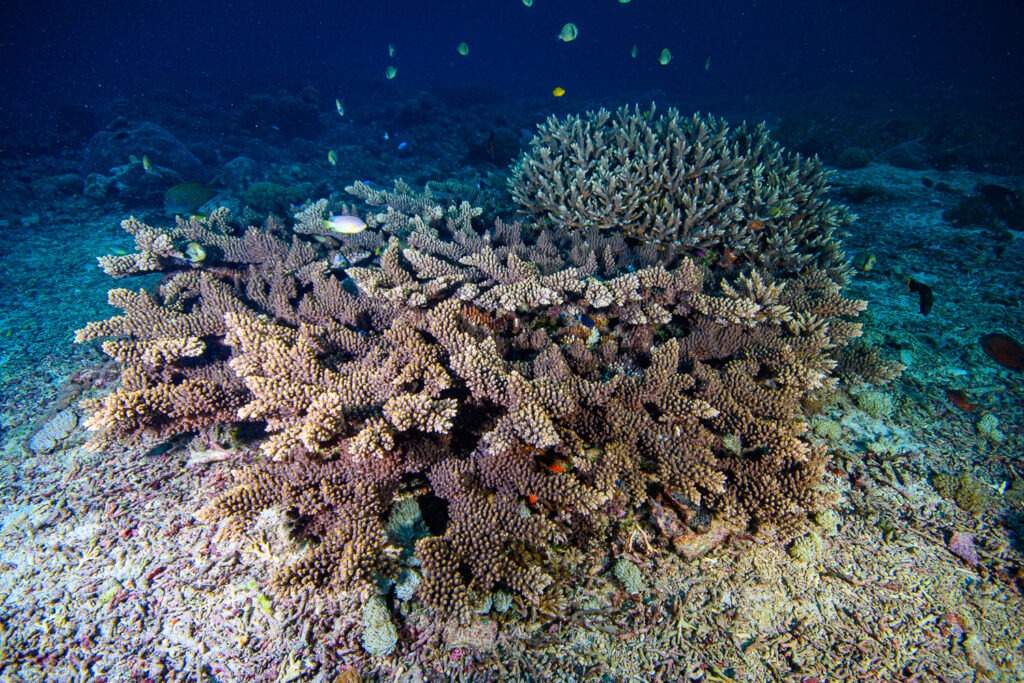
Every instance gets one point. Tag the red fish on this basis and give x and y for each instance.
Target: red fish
(1004, 350)
(961, 400)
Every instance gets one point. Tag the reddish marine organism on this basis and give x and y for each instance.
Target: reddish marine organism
(960, 399)
(1004, 349)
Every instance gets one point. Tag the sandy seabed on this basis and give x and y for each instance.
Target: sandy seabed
(107, 575)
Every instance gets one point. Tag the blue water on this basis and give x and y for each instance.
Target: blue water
(94, 52)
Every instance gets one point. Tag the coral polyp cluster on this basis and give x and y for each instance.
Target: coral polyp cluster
(511, 380)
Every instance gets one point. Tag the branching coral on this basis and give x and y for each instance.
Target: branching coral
(691, 184)
(511, 380)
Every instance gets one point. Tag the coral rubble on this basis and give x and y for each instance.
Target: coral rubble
(511, 380)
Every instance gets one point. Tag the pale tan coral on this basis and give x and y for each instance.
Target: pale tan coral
(417, 411)
(691, 184)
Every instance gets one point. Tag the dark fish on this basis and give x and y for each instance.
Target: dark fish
(1004, 350)
(587, 321)
(924, 292)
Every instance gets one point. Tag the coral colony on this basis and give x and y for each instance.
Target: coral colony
(444, 403)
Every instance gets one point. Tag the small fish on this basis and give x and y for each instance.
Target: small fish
(557, 468)
(528, 3)
(402, 145)
(587, 321)
(665, 57)
(1004, 349)
(558, 92)
(568, 33)
(386, 136)
(634, 51)
(707, 63)
(1000, 489)
(623, 2)
(346, 225)
(390, 72)
(961, 400)
(533, 498)
(774, 211)
(391, 50)
(185, 198)
(332, 158)
(340, 106)
(462, 48)
(926, 298)
(865, 261)
(195, 253)
(146, 166)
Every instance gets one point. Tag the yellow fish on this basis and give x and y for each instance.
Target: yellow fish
(390, 72)
(774, 211)
(462, 48)
(146, 166)
(332, 158)
(568, 33)
(665, 57)
(391, 50)
(558, 92)
(340, 107)
(528, 3)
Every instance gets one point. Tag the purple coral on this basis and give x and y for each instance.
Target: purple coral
(962, 545)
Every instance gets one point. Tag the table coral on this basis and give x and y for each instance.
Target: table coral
(451, 368)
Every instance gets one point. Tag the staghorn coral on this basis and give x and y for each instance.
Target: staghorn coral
(693, 185)
(452, 369)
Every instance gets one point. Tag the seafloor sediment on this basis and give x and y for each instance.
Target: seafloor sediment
(107, 574)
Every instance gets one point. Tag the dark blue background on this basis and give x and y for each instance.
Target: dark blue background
(82, 51)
